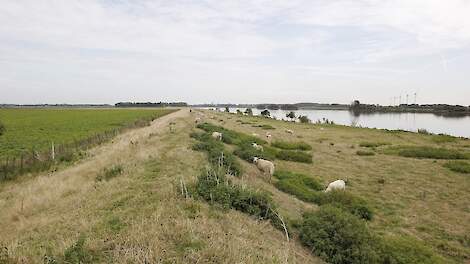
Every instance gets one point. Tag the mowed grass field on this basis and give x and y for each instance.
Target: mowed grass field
(28, 129)
(406, 178)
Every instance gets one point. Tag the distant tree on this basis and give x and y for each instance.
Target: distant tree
(2, 128)
(239, 112)
(248, 111)
(291, 115)
(265, 113)
(304, 119)
(227, 110)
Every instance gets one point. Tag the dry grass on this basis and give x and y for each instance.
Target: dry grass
(139, 216)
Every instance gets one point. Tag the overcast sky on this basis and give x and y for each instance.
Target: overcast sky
(331, 51)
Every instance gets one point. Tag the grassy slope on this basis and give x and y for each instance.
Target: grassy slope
(139, 215)
(418, 197)
(36, 128)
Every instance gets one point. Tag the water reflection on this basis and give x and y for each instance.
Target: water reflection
(453, 125)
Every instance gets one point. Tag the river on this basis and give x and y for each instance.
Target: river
(455, 126)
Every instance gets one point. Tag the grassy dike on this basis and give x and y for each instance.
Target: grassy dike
(417, 192)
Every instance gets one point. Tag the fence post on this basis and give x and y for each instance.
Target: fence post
(53, 151)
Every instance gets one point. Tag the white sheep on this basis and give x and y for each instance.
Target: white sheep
(265, 166)
(257, 147)
(336, 185)
(217, 135)
(289, 131)
(268, 136)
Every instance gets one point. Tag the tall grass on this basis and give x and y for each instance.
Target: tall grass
(431, 153)
(301, 186)
(458, 166)
(291, 145)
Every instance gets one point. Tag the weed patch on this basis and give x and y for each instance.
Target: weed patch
(230, 136)
(291, 145)
(346, 201)
(430, 153)
(297, 156)
(458, 166)
(299, 185)
(78, 253)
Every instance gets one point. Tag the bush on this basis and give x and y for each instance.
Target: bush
(373, 144)
(291, 145)
(346, 201)
(431, 153)
(365, 153)
(109, 173)
(338, 237)
(213, 186)
(297, 156)
(216, 153)
(304, 119)
(458, 166)
(247, 152)
(299, 185)
(2, 128)
(265, 113)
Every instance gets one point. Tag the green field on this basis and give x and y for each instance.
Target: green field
(27, 129)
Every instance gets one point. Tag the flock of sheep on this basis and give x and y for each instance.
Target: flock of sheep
(267, 166)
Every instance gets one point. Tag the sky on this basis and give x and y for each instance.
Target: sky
(326, 51)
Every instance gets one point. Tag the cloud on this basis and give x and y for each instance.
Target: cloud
(211, 45)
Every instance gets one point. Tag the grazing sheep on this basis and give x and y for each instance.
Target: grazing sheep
(268, 136)
(257, 147)
(265, 166)
(289, 131)
(336, 185)
(217, 135)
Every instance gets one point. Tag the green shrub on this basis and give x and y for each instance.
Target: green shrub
(431, 153)
(423, 131)
(304, 119)
(346, 201)
(230, 136)
(404, 250)
(216, 153)
(299, 185)
(458, 166)
(338, 237)
(109, 173)
(373, 144)
(247, 152)
(297, 156)
(291, 145)
(2, 128)
(365, 153)
(77, 253)
(214, 187)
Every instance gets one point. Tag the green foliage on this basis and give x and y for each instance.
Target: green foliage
(304, 119)
(291, 145)
(249, 112)
(365, 153)
(230, 136)
(431, 153)
(373, 144)
(216, 153)
(214, 187)
(443, 139)
(346, 201)
(2, 128)
(338, 237)
(458, 166)
(37, 128)
(290, 115)
(404, 250)
(109, 173)
(299, 185)
(77, 253)
(247, 152)
(265, 113)
(297, 156)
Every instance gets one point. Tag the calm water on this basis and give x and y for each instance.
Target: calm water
(456, 126)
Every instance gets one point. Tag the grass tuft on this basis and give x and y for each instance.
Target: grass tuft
(458, 166)
(109, 173)
(365, 153)
(291, 145)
